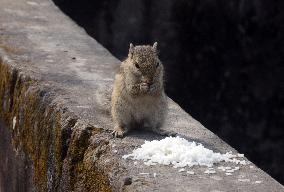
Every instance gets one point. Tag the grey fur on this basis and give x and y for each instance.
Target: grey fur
(138, 97)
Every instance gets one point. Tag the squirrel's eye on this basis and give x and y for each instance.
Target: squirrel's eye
(136, 65)
(157, 64)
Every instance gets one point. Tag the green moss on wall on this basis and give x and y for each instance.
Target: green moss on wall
(37, 129)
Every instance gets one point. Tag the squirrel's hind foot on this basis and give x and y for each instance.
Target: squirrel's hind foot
(118, 132)
(165, 133)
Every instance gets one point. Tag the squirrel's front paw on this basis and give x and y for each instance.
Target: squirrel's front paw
(118, 132)
(144, 87)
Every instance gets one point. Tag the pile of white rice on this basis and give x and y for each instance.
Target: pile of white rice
(179, 152)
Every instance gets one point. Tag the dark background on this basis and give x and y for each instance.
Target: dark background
(223, 59)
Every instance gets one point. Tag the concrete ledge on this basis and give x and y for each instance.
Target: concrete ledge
(55, 84)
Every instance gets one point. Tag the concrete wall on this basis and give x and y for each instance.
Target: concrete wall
(55, 84)
(227, 54)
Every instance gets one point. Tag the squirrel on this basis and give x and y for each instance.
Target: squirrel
(138, 98)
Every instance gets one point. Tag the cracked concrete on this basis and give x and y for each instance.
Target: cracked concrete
(55, 84)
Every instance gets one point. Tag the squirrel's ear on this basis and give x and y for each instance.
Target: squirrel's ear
(131, 49)
(155, 45)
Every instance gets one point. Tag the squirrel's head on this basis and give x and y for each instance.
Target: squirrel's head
(145, 62)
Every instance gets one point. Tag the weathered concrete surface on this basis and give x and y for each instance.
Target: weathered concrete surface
(55, 83)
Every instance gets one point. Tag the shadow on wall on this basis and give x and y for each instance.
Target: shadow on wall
(224, 61)
(15, 167)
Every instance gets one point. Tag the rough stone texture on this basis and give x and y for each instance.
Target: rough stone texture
(55, 84)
